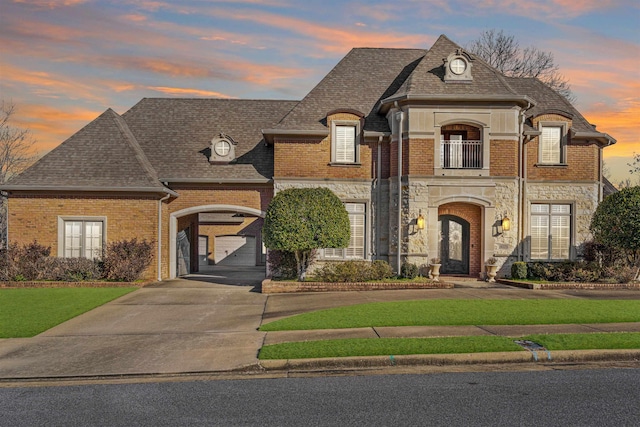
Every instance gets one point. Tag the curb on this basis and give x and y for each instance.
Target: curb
(284, 367)
(562, 356)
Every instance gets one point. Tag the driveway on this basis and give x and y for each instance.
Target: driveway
(195, 324)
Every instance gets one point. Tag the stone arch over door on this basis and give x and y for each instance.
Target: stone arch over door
(469, 217)
(175, 216)
(475, 211)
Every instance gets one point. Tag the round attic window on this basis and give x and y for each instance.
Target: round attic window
(222, 148)
(458, 66)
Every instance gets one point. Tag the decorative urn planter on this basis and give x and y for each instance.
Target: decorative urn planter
(492, 269)
(434, 269)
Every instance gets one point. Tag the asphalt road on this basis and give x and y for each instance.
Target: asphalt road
(603, 397)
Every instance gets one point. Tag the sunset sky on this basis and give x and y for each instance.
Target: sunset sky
(63, 62)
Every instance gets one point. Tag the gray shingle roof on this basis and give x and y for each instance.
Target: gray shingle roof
(359, 81)
(102, 155)
(176, 135)
(548, 100)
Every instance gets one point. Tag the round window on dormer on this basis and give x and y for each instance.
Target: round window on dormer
(458, 66)
(222, 148)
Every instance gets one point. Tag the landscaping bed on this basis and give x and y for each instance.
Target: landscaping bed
(568, 285)
(275, 286)
(80, 284)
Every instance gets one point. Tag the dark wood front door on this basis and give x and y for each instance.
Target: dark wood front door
(454, 245)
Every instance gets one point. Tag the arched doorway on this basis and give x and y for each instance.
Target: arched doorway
(454, 244)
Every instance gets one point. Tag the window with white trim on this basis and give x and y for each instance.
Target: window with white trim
(550, 231)
(83, 239)
(345, 143)
(551, 145)
(356, 248)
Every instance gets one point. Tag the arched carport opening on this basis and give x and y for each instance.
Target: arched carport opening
(237, 227)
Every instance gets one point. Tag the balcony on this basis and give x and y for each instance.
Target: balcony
(461, 154)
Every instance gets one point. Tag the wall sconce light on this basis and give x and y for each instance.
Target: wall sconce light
(506, 223)
(420, 221)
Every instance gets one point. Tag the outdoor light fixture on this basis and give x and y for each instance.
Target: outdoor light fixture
(506, 223)
(420, 221)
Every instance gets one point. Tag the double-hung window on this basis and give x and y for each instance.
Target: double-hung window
(345, 143)
(356, 248)
(82, 238)
(550, 231)
(552, 145)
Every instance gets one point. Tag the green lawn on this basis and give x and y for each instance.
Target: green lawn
(448, 345)
(28, 312)
(463, 312)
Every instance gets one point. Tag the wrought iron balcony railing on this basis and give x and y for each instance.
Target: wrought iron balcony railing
(461, 154)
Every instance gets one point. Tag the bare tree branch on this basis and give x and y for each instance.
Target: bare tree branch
(504, 53)
(16, 144)
(16, 154)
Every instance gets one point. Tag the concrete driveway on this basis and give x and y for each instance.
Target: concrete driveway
(195, 324)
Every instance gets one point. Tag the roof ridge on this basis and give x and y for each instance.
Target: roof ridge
(133, 144)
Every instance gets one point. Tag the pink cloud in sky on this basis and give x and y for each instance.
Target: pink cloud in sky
(550, 9)
(330, 39)
(176, 91)
(50, 4)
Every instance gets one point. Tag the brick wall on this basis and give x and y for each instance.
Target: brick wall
(582, 159)
(419, 156)
(36, 218)
(473, 215)
(311, 158)
(504, 158)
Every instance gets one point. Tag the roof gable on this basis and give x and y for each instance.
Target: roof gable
(428, 76)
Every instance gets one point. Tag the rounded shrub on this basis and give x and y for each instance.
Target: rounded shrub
(519, 270)
(409, 271)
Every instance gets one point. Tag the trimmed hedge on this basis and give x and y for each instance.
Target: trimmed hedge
(354, 271)
(579, 271)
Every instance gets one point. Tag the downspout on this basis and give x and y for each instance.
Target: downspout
(5, 195)
(160, 236)
(400, 118)
(378, 196)
(522, 178)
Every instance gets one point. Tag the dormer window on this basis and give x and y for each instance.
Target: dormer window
(222, 149)
(457, 67)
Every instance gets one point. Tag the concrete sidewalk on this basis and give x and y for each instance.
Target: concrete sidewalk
(209, 324)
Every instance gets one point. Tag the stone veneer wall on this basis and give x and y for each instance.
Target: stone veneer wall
(583, 196)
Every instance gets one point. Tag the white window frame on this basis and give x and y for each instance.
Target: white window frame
(552, 223)
(357, 248)
(82, 251)
(352, 153)
(543, 153)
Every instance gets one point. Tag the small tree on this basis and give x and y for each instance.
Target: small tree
(300, 220)
(616, 225)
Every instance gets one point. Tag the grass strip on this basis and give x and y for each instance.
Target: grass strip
(588, 341)
(386, 346)
(463, 312)
(447, 345)
(28, 312)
